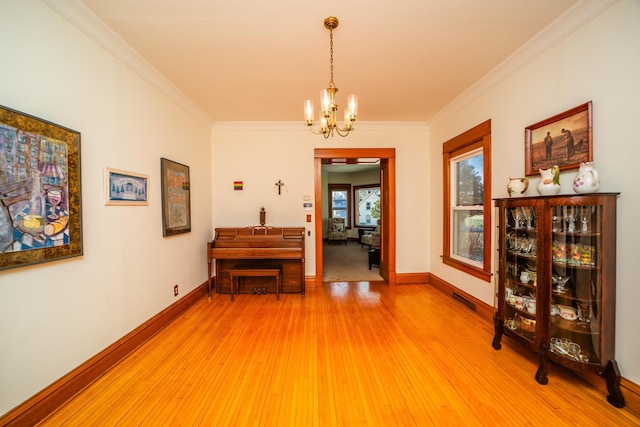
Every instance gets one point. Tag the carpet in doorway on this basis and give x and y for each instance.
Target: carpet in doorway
(347, 263)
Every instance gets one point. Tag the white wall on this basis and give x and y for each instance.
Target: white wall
(261, 154)
(55, 316)
(599, 62)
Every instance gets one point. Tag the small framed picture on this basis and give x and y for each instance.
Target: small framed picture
(564, 140)
(124, 188)
(176, 198)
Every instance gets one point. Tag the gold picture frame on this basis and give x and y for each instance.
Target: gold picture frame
(40, 195)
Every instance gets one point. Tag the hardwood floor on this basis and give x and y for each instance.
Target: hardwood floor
(346, 354)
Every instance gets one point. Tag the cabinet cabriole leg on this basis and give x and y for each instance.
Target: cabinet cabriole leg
(612, 377)
(497, 326)
(543, 367)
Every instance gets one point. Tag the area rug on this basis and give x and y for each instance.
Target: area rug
(347, 263)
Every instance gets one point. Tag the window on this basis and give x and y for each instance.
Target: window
(466, 208)
(467, 201)
(367, 205)
(339, 195)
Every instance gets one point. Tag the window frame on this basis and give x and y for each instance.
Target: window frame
(347, 189)
(478, 137)
(356, 205)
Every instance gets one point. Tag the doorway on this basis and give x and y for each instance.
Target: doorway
(388, 191)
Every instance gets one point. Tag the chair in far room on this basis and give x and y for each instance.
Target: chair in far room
(372, 238)
(337, 231)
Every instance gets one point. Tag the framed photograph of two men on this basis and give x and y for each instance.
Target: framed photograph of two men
(40, 207)
(564, 140)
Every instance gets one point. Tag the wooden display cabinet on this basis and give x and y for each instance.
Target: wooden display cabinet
(557, 282)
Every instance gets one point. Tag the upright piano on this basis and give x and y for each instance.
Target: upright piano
(262, 246)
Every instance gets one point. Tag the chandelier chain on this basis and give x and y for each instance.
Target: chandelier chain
(331, 83)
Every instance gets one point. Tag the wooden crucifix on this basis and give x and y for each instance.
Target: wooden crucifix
(280, 184)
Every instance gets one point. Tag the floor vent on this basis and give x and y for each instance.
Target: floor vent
(465, 301)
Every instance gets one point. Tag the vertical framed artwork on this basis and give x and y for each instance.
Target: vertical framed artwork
(564, 140)
(40, 206)
(123, 188)
(176, 198)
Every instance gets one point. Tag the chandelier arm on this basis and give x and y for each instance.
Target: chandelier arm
(340, 131)
(330, 129)
(316, 132)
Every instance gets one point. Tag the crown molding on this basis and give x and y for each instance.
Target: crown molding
(81, 17)
(301, 127)
(566, 24)
(562, 27)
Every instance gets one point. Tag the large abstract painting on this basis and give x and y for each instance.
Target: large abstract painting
(40, 209)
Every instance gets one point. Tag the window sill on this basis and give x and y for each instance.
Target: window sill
(469, 269)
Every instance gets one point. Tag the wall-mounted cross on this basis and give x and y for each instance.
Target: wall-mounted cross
(280, 184)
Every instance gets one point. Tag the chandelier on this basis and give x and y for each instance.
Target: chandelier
(328, 121)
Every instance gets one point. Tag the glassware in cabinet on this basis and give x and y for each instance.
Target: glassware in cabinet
(518, 307)
(556, 282)
(576, 280)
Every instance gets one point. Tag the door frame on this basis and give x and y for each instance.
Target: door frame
(387, 158)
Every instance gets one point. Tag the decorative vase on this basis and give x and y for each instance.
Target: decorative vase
(550, 182)
(517, 186)
(587, 180)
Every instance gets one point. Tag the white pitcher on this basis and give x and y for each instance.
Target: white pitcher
(587, 180)
(550, 182)
(517, 186)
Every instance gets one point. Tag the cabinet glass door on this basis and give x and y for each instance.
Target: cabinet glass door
(520, 277)
(576, 283)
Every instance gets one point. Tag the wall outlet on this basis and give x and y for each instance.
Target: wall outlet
(175, 291)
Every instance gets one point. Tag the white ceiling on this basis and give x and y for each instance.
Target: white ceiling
(257, 60)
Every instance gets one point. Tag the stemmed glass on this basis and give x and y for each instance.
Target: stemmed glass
(585, 214)
(532, 248)
(528, 214)
(54, 197)
(512, 241)
(519, 217)
(570, 216)
(560, 282)
(584, 314)
(526, 244)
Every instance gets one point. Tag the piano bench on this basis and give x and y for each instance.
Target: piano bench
(248, 271)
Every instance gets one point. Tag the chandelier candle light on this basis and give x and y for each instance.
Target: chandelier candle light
(328, 120)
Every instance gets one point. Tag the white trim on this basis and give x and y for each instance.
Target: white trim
(562, 27)
(81, 17)
(301, 126)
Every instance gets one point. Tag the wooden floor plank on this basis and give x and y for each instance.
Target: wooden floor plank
(346, 354)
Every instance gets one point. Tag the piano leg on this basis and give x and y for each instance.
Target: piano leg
(231, 281)
(209, 276)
